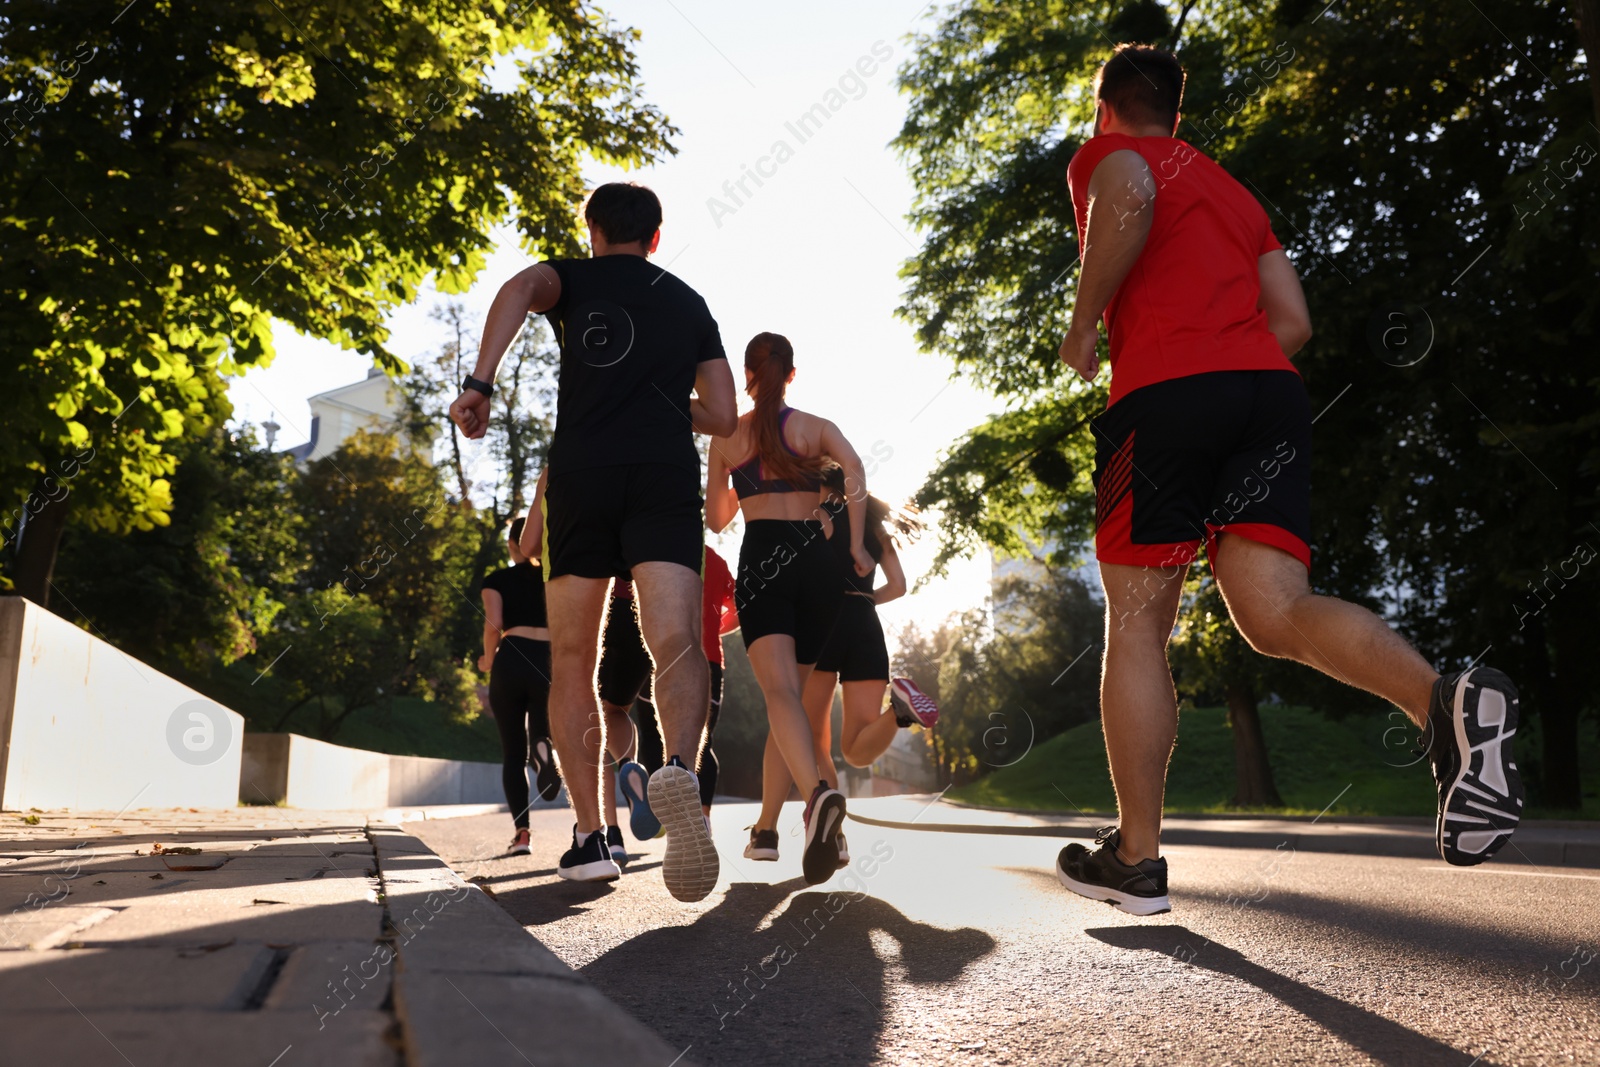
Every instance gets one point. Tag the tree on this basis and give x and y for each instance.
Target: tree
(1440, 225)
(204, 588)
(174, 181)
(1211, 657)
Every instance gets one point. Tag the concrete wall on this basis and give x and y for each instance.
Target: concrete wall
(83, 725)
(304, 773)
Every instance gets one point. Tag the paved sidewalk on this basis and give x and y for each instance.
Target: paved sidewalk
(1541, 843)
(276, 937)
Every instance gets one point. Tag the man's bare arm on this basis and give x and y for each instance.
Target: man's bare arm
(1284, 301)
(714, 408)
(535, 289)
(1122, 196)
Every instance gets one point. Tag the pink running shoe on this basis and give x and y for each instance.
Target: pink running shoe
(913, 702)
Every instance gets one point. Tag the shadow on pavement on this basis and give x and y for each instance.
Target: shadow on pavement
(1383, 1039)
(739, 989)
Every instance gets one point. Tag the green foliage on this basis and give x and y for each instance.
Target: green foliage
(174, 181)
(205, 586)
(1002, 687)
(1432, 175)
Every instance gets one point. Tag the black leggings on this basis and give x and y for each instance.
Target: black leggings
(651, 756)
(519, 695)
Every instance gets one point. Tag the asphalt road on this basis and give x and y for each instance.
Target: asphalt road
(962, 948)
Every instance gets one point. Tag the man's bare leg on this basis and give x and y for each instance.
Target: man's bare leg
(575, 607)
(668, 597)
(1269, 596)
(669, 617)
(1138, 705)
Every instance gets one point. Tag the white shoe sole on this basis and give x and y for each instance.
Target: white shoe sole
(1128, 902)
(605, 870)
(520, 850)
(1483, 804)
(690, 867)
(753, 853)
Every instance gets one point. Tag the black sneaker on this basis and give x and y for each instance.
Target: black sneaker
(1100, 875)
(619, 851)
(824, 819)
(546, 778)
(1471, 727)
(589, 861)
(763, 845)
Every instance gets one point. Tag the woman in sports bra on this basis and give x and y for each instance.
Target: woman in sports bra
(789, 585)
(855, 654)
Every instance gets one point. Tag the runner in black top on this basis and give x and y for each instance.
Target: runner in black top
(623, 498)
(855, 653)
(516, 653)
(789, 585)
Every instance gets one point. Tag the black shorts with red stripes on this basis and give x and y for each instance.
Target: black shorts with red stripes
(1180, 461)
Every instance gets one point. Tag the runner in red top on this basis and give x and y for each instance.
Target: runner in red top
(1207, 440)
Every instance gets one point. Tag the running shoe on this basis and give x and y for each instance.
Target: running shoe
(690, 866)
(1100, 874)
(824, 817)
(589, 860)
(1471, 727)
(519, 844)
(546, 778)
(635, 785)
(619, 851)
(912, 703)
(844, 853)
(763, 845)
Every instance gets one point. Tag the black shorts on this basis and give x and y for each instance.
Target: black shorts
(600, 522)
(856, 650)
(789, 583)
(624, 663)
(1180, 461)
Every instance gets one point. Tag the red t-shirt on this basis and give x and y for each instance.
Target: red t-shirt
(1188, 305)
(717, 613)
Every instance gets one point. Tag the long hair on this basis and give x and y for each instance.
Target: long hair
(770, 359)
(898, 526)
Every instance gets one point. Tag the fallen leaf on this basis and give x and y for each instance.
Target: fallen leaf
(158, 876)
(258, 900)
(31, 820)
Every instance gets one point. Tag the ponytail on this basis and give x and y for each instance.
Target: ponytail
(888, 525)
(770, 360)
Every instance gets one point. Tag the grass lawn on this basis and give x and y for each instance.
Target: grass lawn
(1313, 759)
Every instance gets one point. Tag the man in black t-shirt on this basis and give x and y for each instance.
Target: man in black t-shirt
(642, 370)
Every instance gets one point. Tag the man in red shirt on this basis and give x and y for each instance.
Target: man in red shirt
(1206, 440)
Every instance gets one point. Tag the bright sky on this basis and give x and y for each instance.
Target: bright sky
(813, 252)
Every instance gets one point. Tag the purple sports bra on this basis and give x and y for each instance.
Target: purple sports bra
(747, 479)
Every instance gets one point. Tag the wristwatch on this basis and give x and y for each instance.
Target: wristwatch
(486, 388)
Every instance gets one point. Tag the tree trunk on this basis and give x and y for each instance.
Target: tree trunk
(36, 551)
(1571, 629)
(1253, 784)
(1586, 15)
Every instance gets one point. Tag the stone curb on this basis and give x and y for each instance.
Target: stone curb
(471, 985)
(1539, 845)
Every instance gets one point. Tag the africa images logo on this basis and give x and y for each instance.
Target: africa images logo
(605, 333)
(199, 733)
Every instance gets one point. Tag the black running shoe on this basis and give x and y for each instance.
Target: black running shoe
(546, 778)
(619, 851)
(589, 861)
(1471, 728)
(824, 819)
(1100, 875)
(763, 845)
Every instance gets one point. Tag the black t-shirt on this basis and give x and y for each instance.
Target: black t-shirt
(632, 337)
(521, 590)
(840, 543)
